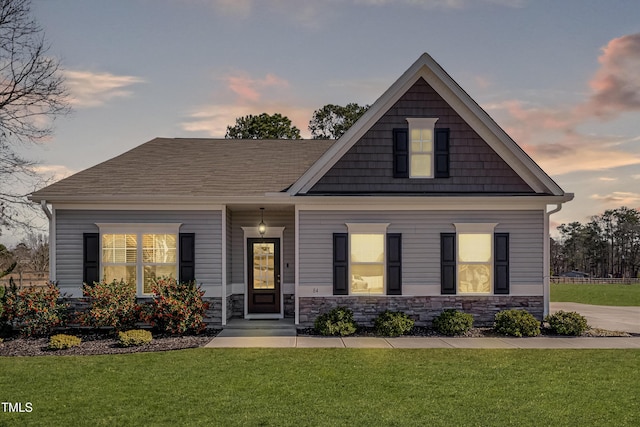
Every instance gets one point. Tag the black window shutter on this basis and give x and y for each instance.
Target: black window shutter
(448, 263)
(340, 264)
(441, 153)
(401, 153)
(90, 258)
(501, 263)
(394, 264)
(187, 269)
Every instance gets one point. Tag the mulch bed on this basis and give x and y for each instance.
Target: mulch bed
(101, 343)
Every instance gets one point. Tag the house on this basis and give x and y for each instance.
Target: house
(424, 204)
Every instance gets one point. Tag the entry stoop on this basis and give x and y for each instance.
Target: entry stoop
(259, 328)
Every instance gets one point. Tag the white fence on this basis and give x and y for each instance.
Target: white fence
(596, 280)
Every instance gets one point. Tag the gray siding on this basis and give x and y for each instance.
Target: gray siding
(421, 243)
(272, 219)
(368, 166)
(71, 224)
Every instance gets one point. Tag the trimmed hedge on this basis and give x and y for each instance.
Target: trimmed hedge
(393, 323)
(567, 323)
(516, 323)
(338, 321)
(453, 322)
(134, 337)
(62, 342)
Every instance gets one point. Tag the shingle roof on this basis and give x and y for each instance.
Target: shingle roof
(199, 168)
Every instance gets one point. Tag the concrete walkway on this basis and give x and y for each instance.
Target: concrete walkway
(241, 333)
(626, 319)
(276, 341)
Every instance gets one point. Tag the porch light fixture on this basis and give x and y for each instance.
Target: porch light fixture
(262, 227)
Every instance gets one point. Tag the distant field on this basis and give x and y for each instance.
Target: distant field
(617, 295)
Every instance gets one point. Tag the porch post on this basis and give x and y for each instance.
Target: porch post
(224, 265)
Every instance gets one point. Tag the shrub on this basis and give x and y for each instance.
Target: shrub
(176, 308)
(338, 321)
(62, 341)
(453, 322)
(516, 323)
(392, 323)
(35, 310)
(567, 323)
(134, 337)
(111, 304)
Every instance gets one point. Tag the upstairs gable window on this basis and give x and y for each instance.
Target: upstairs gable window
(421, 147)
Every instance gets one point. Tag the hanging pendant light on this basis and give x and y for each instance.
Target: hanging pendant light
(262, 227)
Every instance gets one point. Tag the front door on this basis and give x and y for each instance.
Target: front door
(263, 268)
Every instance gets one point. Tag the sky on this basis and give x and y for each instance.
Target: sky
(562, 77)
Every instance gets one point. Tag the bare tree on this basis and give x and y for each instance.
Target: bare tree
(32, 95)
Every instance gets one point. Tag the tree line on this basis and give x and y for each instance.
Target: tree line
(606, 246)
(328, 122)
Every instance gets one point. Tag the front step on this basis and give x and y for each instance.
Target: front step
(259, 328)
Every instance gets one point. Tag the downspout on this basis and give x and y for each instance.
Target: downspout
(45, 209)
(52, 240)
(547, 260)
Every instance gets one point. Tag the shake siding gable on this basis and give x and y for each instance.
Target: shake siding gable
(72, 224)
(368, 167)
(421, 245)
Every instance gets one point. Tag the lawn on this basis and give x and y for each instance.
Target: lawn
(298, 387)
(616, 295)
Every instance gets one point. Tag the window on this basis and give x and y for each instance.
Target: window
(120, 257)
(139, 254)
(474, 263)
(367, 258)
(367, 263)
(159, 258)
(474, 258)
(421, 147)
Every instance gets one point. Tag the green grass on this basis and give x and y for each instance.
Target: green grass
(351, 387)
(616, 295)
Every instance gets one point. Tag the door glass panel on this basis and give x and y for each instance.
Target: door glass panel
(263, 266)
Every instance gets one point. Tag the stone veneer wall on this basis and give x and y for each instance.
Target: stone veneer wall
(236, 307)
(213, 315)
(289, 305)
(422, 309)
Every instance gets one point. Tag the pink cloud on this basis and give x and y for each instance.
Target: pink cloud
(242, 95)
(616, 85)
(551, 135)
(618, 198)
(250, 89)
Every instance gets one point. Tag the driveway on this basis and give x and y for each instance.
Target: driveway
(625, 319)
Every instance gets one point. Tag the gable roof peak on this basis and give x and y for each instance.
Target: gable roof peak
(427, 68)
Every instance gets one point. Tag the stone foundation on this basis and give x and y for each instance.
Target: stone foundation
(236, 307)
(289, 305)
(213, 315)
(422, 309)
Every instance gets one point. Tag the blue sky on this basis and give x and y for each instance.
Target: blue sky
(561, 77)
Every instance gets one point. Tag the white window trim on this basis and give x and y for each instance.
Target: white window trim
(140, 229)
(422, 123)
(369, 228)
(475, 228)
